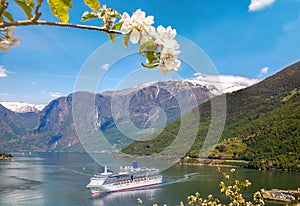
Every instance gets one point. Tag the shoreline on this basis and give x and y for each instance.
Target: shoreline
(209, 165)
(183, 161)
(214, 162)
(226, 163)
(4, 156)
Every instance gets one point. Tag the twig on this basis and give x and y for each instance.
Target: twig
(37, 14)
(40, 22)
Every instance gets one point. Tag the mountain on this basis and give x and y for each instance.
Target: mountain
(22, 107)
(146, 107)
(262, 125)
(13, 126)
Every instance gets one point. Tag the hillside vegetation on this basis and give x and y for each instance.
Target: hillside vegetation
(262, 125)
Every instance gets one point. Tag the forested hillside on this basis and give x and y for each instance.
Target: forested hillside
(262, 125)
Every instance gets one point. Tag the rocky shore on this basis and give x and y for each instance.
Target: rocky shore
(4, 156)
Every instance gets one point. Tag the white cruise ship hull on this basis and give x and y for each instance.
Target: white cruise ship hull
(124, 185)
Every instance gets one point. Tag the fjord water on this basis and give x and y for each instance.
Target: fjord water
(60, 179)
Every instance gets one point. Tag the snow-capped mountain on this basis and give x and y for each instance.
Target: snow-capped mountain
(22, 107)
(221, 84)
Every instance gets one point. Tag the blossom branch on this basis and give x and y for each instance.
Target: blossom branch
(41, 22)
(158, 46)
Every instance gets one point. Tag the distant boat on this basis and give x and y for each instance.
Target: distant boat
(128, 178)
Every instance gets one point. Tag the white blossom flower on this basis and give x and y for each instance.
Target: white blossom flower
(169, 53)
(164, 39)
(169, 65)
(169, 61)
(11, 30)
(4, 45)
(164, 34)
(138, 26)
(9, 39)
(170, 50)
(140, 30)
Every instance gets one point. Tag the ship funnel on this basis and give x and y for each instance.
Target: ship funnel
(135, 165)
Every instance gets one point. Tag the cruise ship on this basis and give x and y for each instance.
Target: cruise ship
(128, 178)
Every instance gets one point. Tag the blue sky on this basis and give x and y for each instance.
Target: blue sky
(252, 44)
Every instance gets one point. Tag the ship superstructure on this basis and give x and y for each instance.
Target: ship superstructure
(128, 178)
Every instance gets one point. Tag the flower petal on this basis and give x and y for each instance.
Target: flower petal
(149, 20)
(125, 29)
(125, 16)
(135, 36)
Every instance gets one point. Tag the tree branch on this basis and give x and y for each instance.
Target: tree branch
(40, 22)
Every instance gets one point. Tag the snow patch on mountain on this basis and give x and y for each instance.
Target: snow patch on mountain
(22, 107)
(221, 84)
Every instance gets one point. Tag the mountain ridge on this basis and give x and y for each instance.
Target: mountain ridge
(55, 130)
(216, 84)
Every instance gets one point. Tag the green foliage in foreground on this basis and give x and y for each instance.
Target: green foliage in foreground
(262, 125)
(231, 188)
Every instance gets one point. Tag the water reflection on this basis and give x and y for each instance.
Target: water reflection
(127, 197)
(20, 180)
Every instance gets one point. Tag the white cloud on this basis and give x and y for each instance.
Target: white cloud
(52, 94)
(223, 83)
(3, 72)
(55, 94)
(263, 71)
(105, 66)
(4, 94)
(257, 5)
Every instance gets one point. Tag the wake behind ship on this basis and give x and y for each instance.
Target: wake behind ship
(128, 178)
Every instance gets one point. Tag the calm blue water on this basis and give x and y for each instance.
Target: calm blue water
(60, 179)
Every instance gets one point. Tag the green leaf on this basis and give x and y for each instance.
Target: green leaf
(93, 4)
(59, 9)
(26, 8)
(29, 3)
(113, 13)
(118, 25)
(150, 65)
(103, 12)
(148, 45)
(8, 16)
(112, 37)
(89, 15)
(126, 40)
(1, 19)
(68, 3)
(151, 56)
